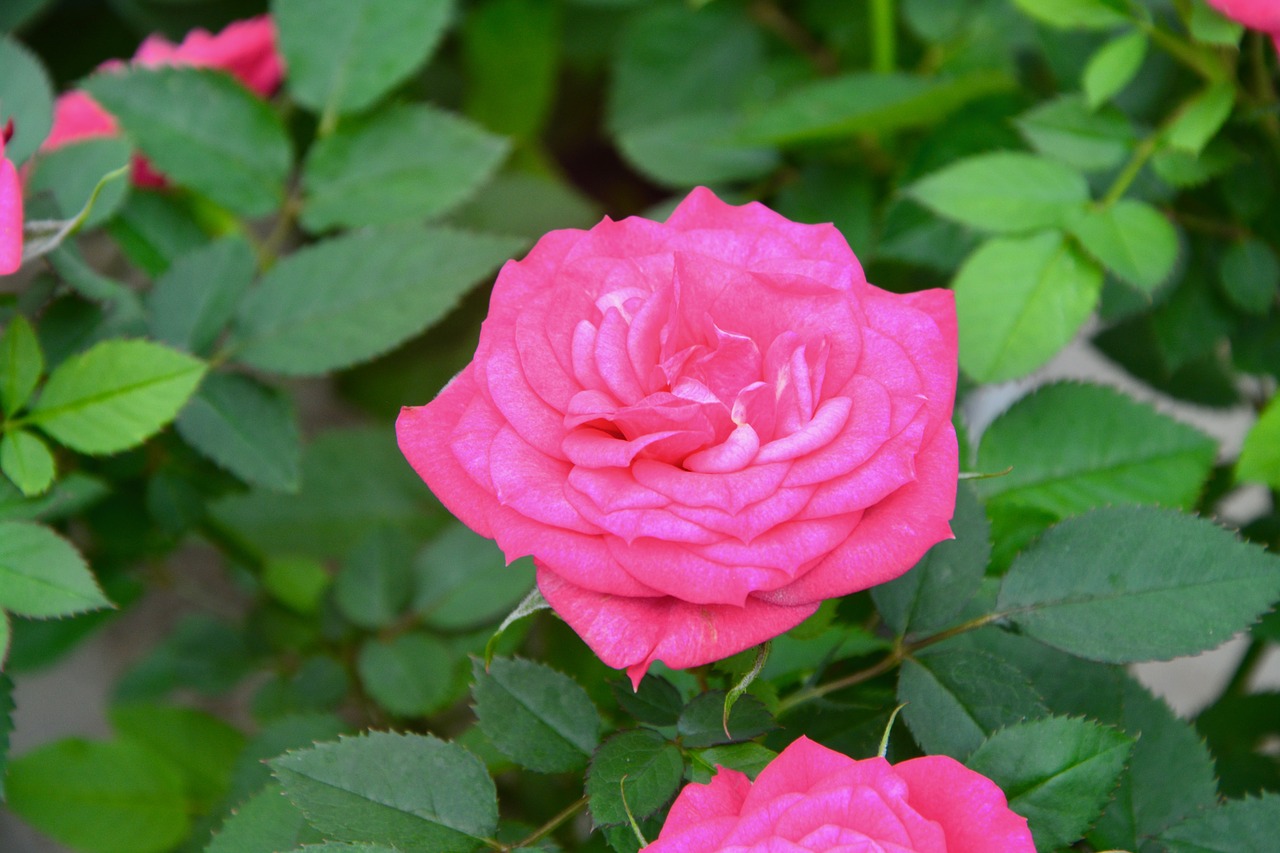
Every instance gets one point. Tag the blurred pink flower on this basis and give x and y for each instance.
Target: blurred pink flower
(10, 211)
(813, 798)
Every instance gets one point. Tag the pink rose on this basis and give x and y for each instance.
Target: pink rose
(700, 429)
(812, 798)
(246, 49)
(1262, 15)
(10, 212)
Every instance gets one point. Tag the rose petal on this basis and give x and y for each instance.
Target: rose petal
(971, 809)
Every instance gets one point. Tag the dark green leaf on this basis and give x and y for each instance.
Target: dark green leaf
(404, 163)
(201, 747)
(539, 718)
(463, 582)
(412, 791)
(320, 684)
(1089, 140)
(297, 731)
(266, 823)
(1131, 239)
(27, 97)
(154, 228)
(642, 762)
(510, 49)
(204, 130)
(1074, 447)
(1250, 276)
(1019, 301)
(202, 654)
(1057, 773)
(343, 55)
(115, 797)
(935, 590)
(1113, 66)
(376, 581)
(6, 704)
(42, 574)
(71, 173)
(1128, 583)
(957, 699)
(657, 701)
(26, 461)
(197, 296)
(1004, 191)
(246, 427)
(21, 364)
(1237, 826)
(749, 758)
(115, 395)
(684, 151)
(351, 298)
(410, 675)
(702, 720)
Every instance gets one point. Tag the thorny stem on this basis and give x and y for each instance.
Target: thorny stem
(900, 652)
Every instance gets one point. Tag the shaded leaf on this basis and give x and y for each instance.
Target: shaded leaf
(196, 297)
(246, 427)
(538, 717)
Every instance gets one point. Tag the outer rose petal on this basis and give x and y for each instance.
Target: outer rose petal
(632, 633)
(77, 116)
(970, 807)
(10, 215)
(246, 48)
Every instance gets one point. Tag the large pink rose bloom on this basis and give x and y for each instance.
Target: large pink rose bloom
(245, 49)
(10, 214)
(700, 429)
(1263, 15)
(811, 798)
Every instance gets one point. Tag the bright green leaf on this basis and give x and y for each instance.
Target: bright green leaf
(1067, 130)
(204, 130)
(1113, 66)
(196, 297)
(402, 164)
(26, 461)
(266, 823)
(1057, 773)
(539, 718)
(21, 364)
(510, 52)
(1019, 301)
(1131, 239)
(1260, 457)
(644, 764)
(375, 582)
(351, 298)
(1074, 14)
(411, 675)
(246, 427)
(1004, 191)
(412, 791)
(115, 797)
(1236, 826)
(42, 575)
(1250, 276)
(26, 96)
(343, 55)
(201, 747)
(296, 582)
(1126, 584)
(1210, 26)
(1201, 118)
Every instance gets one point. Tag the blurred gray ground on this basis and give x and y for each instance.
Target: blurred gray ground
(71, 698)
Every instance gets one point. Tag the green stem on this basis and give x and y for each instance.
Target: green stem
(1126, 177)
(884, 43)
(548, 827)
(1199, 60)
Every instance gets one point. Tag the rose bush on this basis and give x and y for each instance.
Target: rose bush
(812, 798)
(246, 49)
(1262, 15)
(700, 429)
(10, 214)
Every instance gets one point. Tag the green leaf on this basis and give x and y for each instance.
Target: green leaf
(266, 823)
(700, 148)
(6, 703)
(154, 228)
(202, 129)
(1057, 773)
(351, 298)
(657, 701)
(955, 700)
(509, 48)
(201, 653)
(293, 732)
(6, 638)
(411, 791)
(201, 747)
(1019, 301)
(749, 758)
(1210, 26)
(71, 173)
(939, 586)
(1237, 826)
(1074, 14)
(1201, 118)
(1068, 130)
(343, 55)
(1004, 191)
(115, 395)
(1073, 447)
(1112, 67)
(196, 297)
(352, 481)
(375, 582)
(248, 428)
(26, 96)
(1260, 456)
(42, 575)
(21, 364)
(26, 461)
(319, 684)
(296, 582)
(702, 720)
(1250, 276)
(463, 582)
(1131, 239)
(404, 163)
(411, 675)
(862, 102)
(539, 718)
(642, 762)
(1126, 584)
(72, 494)
(115, 797)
